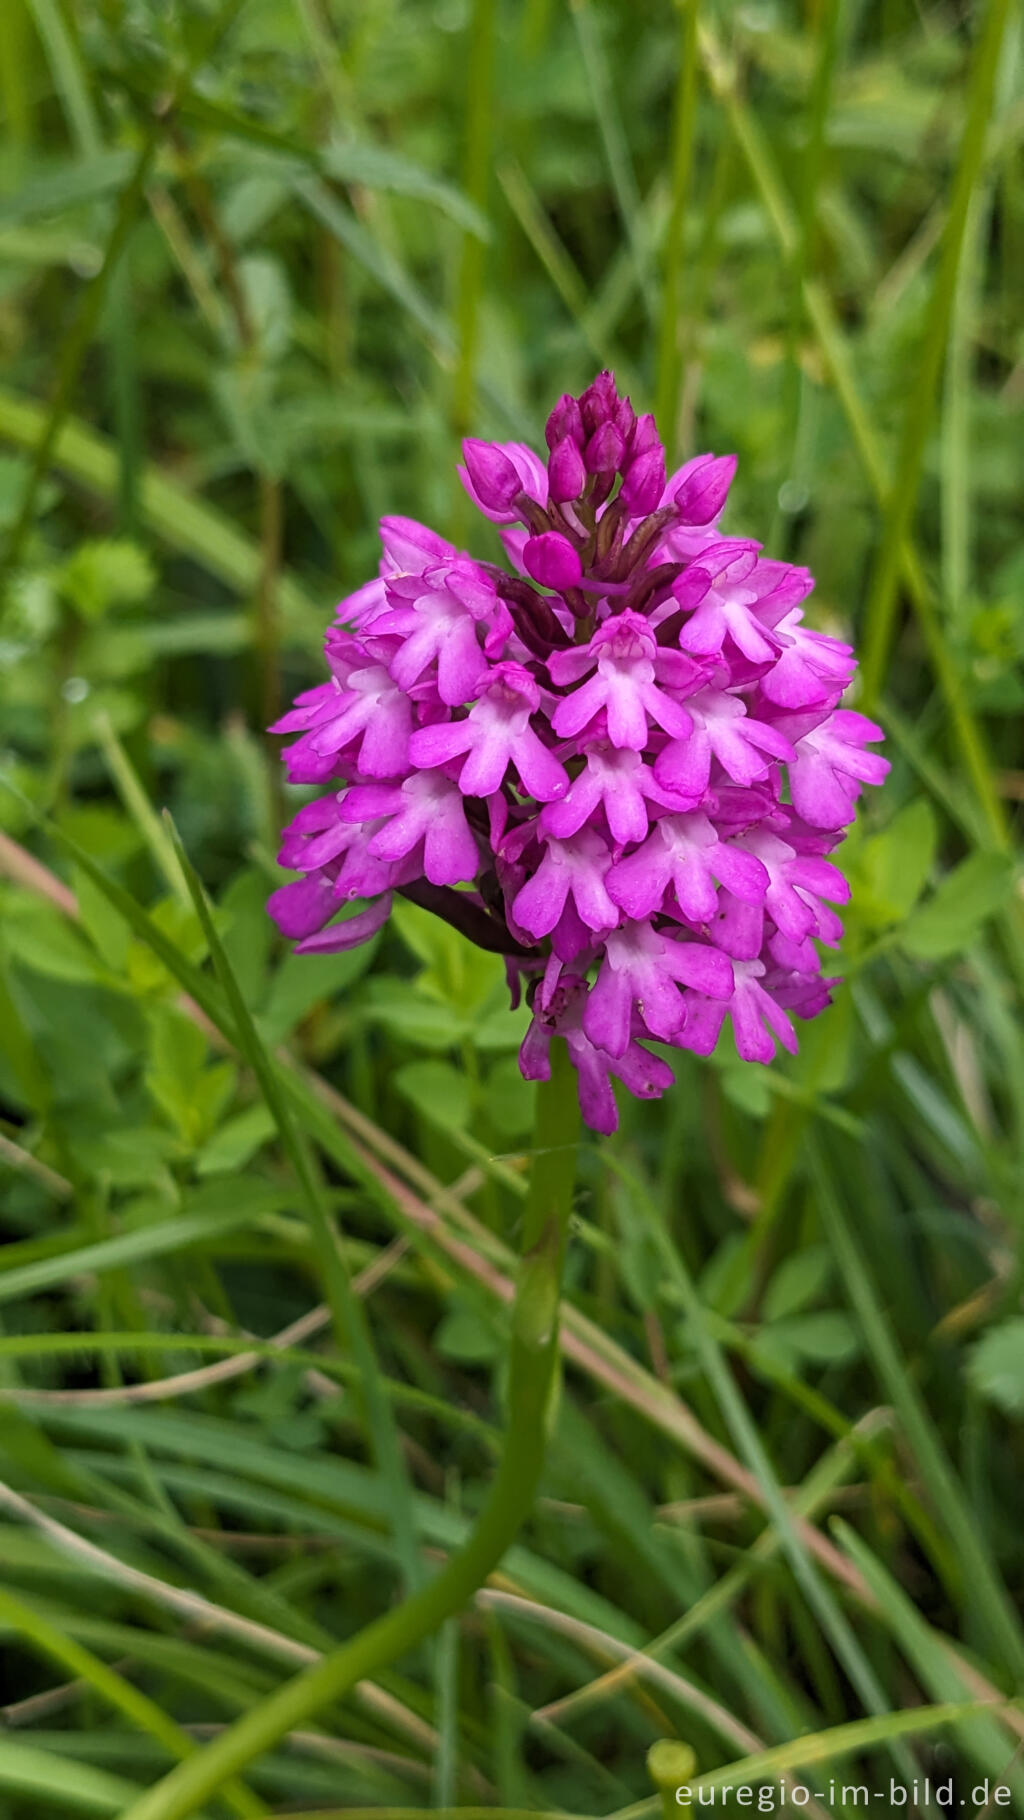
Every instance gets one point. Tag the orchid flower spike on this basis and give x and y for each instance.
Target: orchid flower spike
(621, 762)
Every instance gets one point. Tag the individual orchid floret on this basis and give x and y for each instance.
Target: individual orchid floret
(640, 975)
(724, 588)
(496, 733)
(722, 730)
(645, 1076)
(553, 561)
(830, 765)
(575, 869)
(811, 669)
(685, 856)
(423, 818)
(445, 619)
(758, 1021)
(616, 781)
(700, 489)
(619, 761)
(631, 669)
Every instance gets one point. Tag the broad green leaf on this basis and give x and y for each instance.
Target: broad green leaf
(828, 1337)
(996, 1366)
(64, 1784)
(893, 866)
(437, 1090)
(797, 1282)
(39, 937)
(66, 187)
(303, 981)
(109, 932)
(952, 918)
(236, 1142)
(408, 1014)
(108, 572)
(467, 1339)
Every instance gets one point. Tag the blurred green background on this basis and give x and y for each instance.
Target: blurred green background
(262, 264)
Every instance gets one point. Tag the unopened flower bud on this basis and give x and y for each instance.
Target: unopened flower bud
(567, 475)
(565, 421)
(492, 476)
(645, 435)
(703, 488)
(624, 419)
(644, 483)
(552, 561)
(605, 451)
(598, 402)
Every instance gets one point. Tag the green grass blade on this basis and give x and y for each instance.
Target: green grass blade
(115, 1691)
(882, 598)
(989, 1598)
(350, 1324)
(749, 1445)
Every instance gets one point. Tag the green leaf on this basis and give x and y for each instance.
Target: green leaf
(437, 1090)
(827, 1338)
(109, 932)
(61, 1782)
(996, 1366)
(177, 1058)
(797, 1282)
(236, 1142)
(79, 180)
(412, 1017)
(953, 916)
(305, 980)
(463, 1336)
(108, 572)
(893, 866)
(379, 168)
(508, 1099)
(37, 935)
(727, 1279)
(247, 1199)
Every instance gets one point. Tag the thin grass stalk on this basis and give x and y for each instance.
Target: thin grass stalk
(532, 1381)
(142, 1712)
(351, 1327)
(675, 323)
(882, 599)
(480, 107)
(822, 316)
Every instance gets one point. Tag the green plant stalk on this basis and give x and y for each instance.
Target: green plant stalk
(670, 351)
(352, 1330)
(479, 158)
(881, 608)
(136, 1707)
(990, 1600)
(616, 147)
(73, 350)
(822, 316)
(532, 1386)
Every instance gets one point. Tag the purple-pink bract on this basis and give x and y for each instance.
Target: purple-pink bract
(622, 766)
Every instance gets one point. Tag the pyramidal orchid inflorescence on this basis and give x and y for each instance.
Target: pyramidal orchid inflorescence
(623, 765)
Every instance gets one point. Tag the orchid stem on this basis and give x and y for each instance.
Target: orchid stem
(532, 1388)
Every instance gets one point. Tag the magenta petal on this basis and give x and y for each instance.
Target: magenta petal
(349, 934)
(303, 906)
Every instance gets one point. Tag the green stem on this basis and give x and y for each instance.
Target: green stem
(670, 339)
(479, 158)
(881, 608)
(532, 1386)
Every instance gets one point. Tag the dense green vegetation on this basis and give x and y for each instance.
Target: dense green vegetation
(262, 264)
